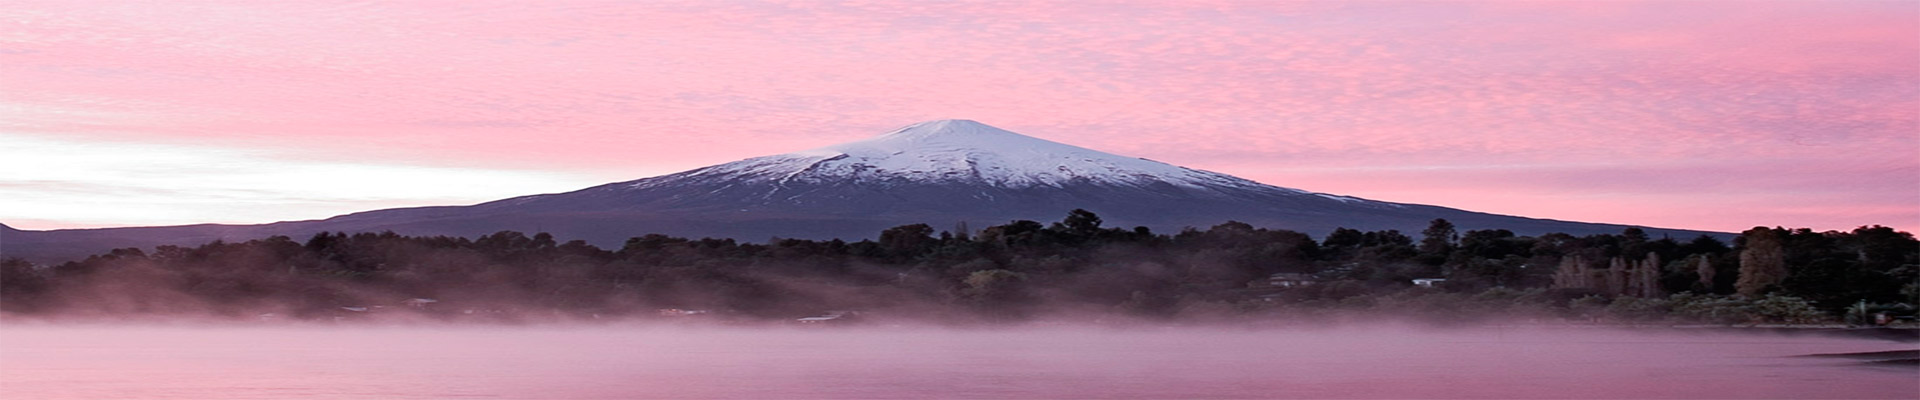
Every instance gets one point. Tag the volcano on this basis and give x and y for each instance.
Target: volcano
(944, 173)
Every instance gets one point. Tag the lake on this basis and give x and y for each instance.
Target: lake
(619, 362)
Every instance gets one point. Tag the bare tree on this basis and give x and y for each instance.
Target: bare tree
(1647, 277)
(1573, 274)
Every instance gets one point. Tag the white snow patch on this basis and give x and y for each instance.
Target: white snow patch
(1342, 199)
(970, 152)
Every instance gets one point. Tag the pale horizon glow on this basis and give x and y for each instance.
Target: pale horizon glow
(189, 184)
(1694, 115)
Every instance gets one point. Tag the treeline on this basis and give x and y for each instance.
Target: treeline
(1019, 270)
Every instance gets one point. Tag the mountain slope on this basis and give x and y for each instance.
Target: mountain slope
(936, 168)
(938, 172)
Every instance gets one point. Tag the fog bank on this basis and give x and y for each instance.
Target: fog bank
(624, 361)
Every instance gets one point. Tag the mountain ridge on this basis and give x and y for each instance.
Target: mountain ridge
(936, 172)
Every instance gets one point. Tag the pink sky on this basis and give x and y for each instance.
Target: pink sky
(1700, 115)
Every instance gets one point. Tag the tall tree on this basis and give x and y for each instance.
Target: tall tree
(1617, 276)
(1763, 261)
(1081, 222)
(961, 232)
(1573, 274)
(1704, 268)
(1646, 277)
(905, 241)
(1437, 240)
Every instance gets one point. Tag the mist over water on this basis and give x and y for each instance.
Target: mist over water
(627, 361)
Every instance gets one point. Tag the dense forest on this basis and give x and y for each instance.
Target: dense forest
(1022, 270)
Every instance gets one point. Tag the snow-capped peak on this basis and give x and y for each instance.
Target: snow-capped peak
(957, 137)
(964, 151)
(949, 128)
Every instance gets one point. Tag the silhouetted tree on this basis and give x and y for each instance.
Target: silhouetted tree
(906, 241)
(1763, 261)
(1437, 240)
(1081, 222)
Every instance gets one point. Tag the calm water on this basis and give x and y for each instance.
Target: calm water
(61, 362)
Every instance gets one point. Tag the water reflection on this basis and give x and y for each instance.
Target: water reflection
(59, 362)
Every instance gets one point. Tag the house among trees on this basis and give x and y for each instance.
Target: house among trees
(1286, 280)
(343, 313)
(830, 318)
(678, 312)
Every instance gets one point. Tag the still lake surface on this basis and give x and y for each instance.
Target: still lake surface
(620, 362)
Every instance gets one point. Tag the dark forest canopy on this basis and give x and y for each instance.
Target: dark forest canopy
(1015, 271)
